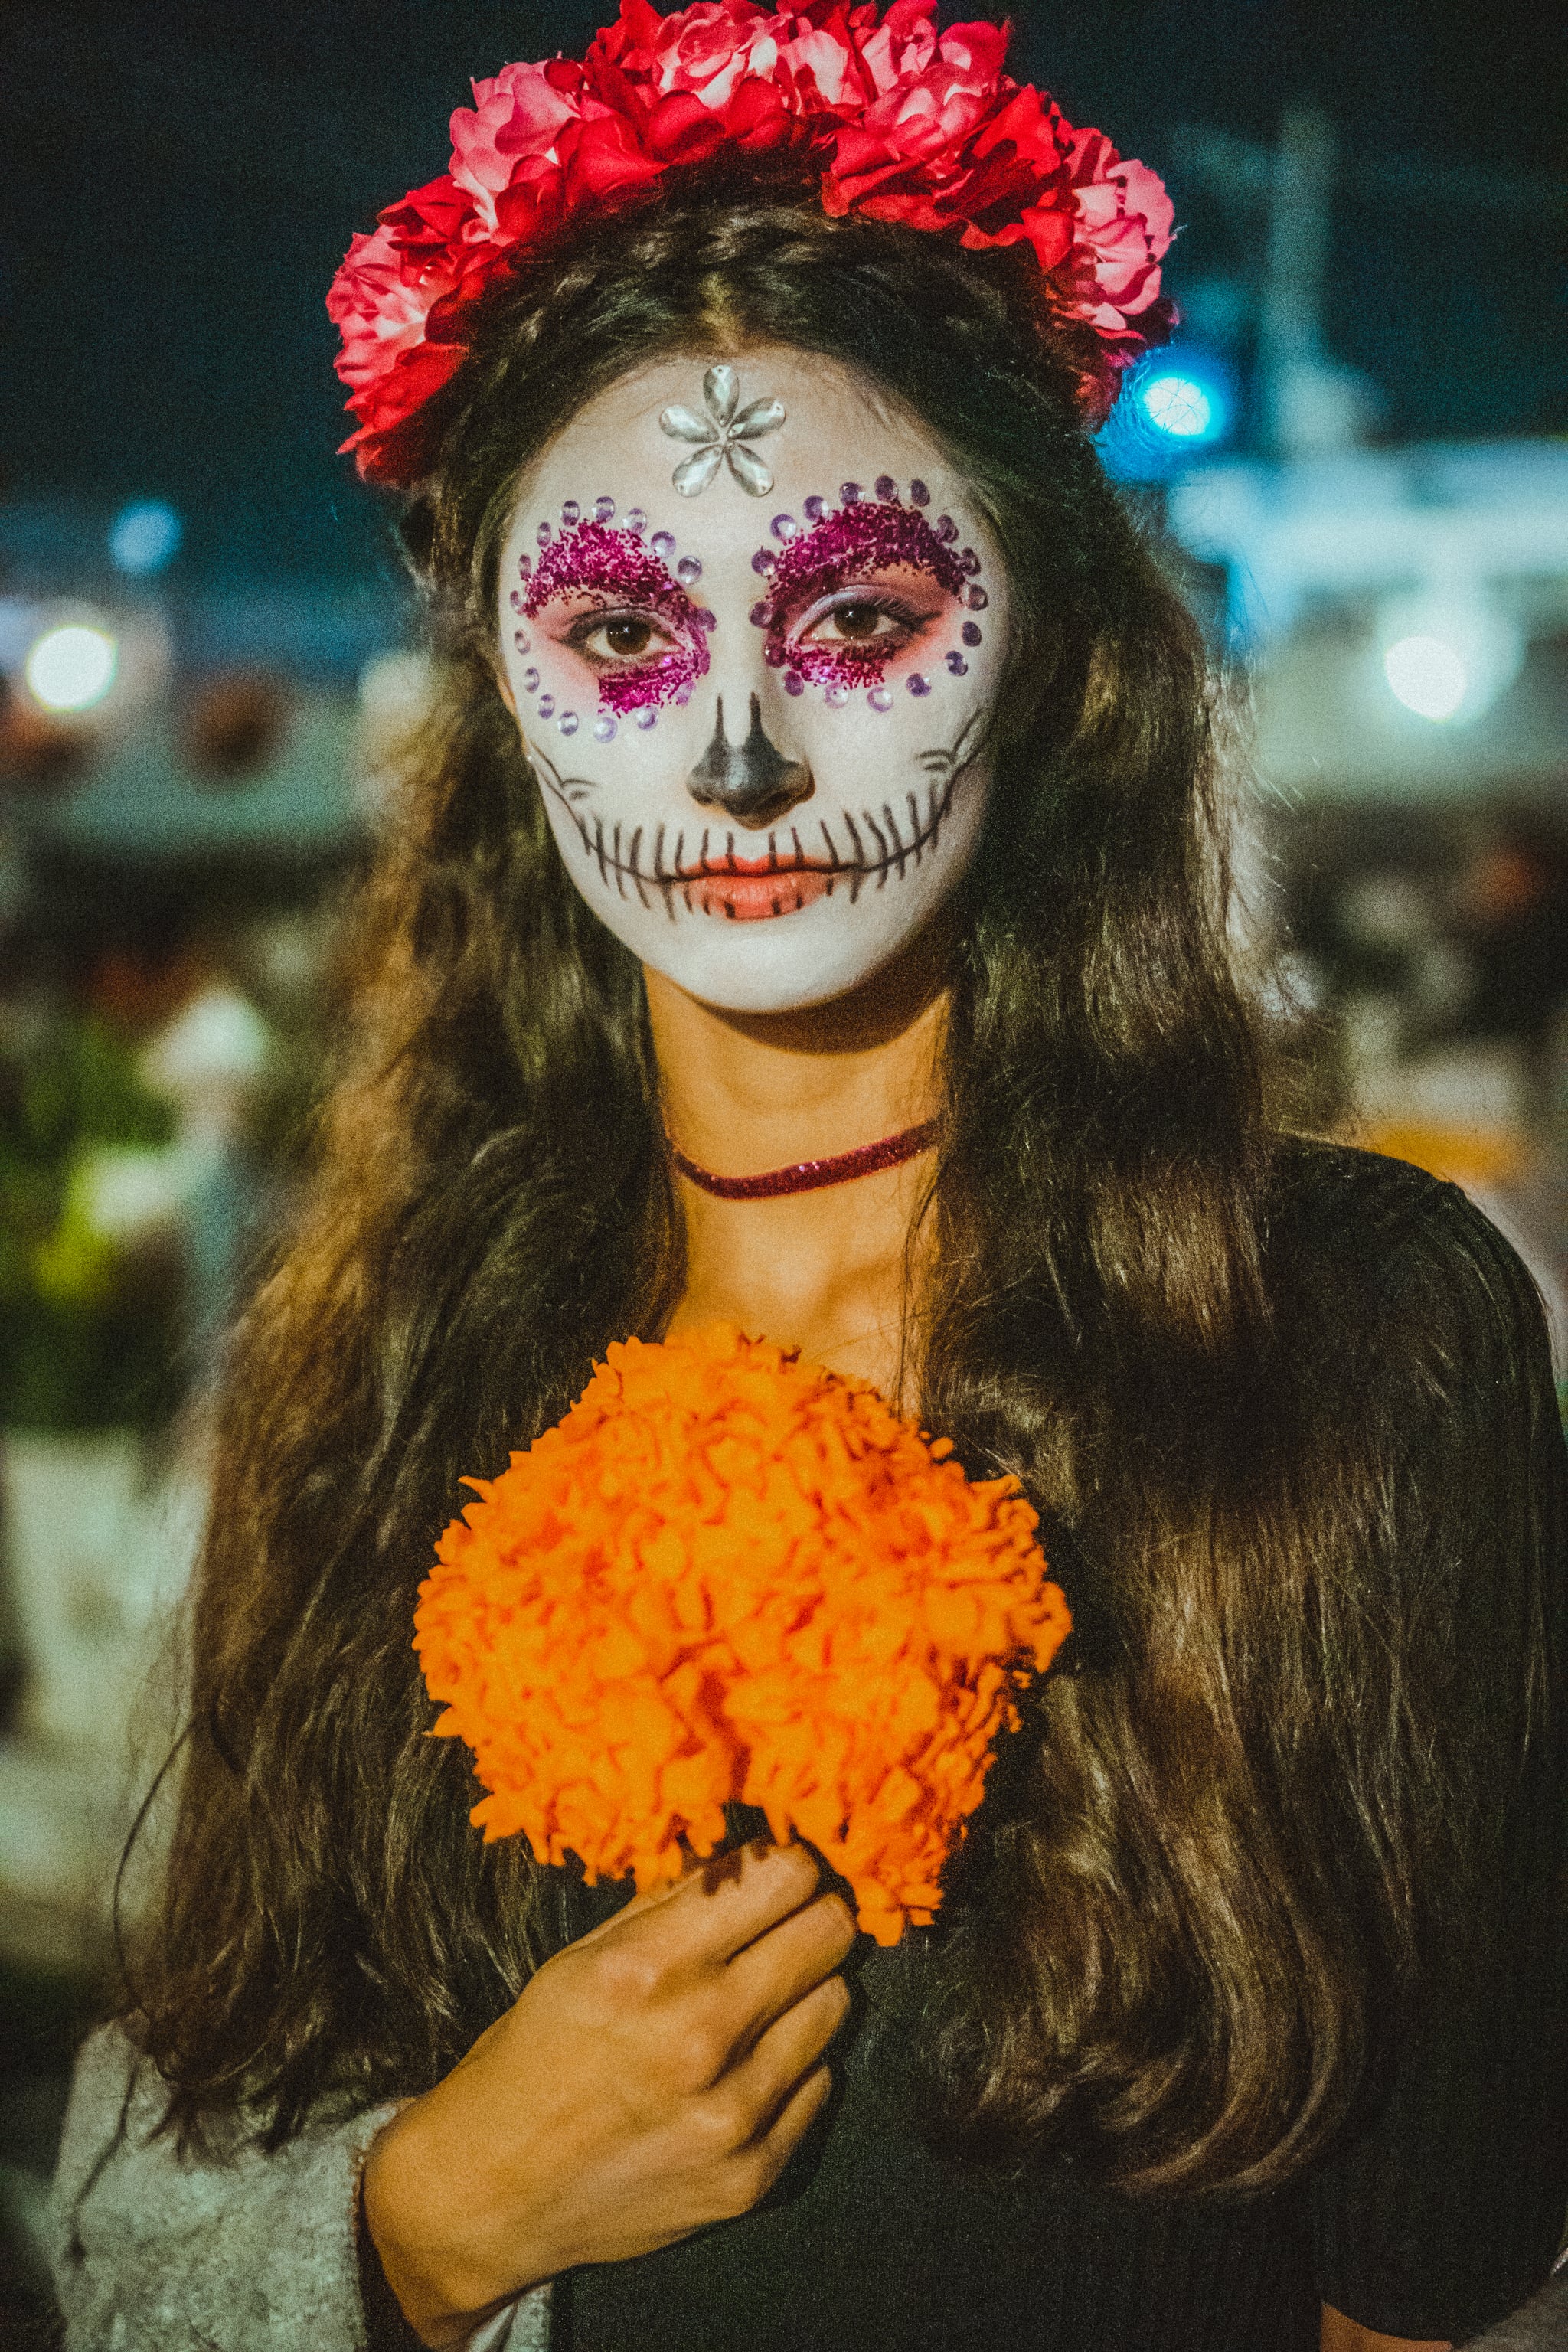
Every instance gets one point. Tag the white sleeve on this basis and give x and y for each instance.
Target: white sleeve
(240, 2250)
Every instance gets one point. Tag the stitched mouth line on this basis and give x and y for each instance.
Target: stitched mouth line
(879, 846)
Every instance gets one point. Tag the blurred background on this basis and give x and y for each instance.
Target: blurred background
(1356, 447)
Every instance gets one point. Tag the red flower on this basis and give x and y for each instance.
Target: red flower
(908, 125)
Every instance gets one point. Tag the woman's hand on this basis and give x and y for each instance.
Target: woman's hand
(652, 2078)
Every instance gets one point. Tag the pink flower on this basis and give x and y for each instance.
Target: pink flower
(519, 115)
(902, 44)
(379, 301)
(1123, 221)
(708, 49)
(824, 57)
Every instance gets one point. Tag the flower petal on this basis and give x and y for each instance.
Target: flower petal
(749, 469)
(694, 473)
(721, 390)
(757, 417)
(682, 424)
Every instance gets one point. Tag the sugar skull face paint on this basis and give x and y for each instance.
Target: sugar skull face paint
(760, 733)
(614, 602)
(850, 592)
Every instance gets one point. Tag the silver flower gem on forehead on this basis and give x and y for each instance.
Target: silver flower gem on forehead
(721, 435)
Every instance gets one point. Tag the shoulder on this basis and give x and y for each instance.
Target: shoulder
(1345, 1205)
(1373, 1246)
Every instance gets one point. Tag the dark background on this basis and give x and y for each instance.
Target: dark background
(181, 176)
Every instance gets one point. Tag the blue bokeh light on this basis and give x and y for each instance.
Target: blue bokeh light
(145, 537)
(1175, 406)
(1180, 405)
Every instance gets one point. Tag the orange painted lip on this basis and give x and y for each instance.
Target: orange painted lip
(751, 891)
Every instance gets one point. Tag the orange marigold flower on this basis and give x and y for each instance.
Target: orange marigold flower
(731, 1577)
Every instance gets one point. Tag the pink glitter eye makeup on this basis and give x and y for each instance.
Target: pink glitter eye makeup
(641, 632)
(830, 624)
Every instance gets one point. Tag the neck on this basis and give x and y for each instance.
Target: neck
(745, 1093)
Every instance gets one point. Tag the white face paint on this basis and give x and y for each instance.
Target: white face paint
(755, 702)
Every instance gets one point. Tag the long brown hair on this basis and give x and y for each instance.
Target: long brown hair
(1204, 1874)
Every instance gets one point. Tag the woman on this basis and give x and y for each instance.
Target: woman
(825, 797)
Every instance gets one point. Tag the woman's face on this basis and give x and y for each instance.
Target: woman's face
(752, 628)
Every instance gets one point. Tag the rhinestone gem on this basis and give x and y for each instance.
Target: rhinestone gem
(547, 706)
(978, 600)
(519, 641)
(837, 695)
(850, 492)
(919, 684)
(794, 682)
(761, 561)
(958, 665)
(785, 527)
(774, 655)
(544, 534)
(604, 728)
(567, 722)
(688, 571)
(636, 520)
(969, 561)
(645, 718)
(524, 566)
(571, 513)
(970, 632)
(887, 488)
(663, 544)
(706, 620)
(515, 601)
(682, 694)
(812, 508)
(761, 616)
(879, 699)
(530, 681)
(918, 495)
(945, 528)
(604, 510)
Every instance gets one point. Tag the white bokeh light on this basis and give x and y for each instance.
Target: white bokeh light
(1426, 675)
(72, 667)
(1178, 405)
(1448, 654)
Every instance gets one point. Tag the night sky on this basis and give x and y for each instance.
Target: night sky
(182, 177)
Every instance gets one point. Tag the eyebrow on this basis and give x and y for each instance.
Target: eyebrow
(610, 560)
(872, 535)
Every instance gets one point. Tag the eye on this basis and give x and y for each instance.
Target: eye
(862, 621)
(612, 637)
(859, 623)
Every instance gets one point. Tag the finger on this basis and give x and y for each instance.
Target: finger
(637, 1908)
(727, 1904)
(766, 1981)
(652, 1896)
(793, 2047)
(795, 2117)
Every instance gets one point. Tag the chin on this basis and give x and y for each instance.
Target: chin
(800, 962)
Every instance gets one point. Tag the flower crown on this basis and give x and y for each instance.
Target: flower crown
(905, 123)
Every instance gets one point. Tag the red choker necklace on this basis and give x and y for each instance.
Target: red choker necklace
(811, 1175)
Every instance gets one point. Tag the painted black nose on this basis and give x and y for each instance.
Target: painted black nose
(752, 782)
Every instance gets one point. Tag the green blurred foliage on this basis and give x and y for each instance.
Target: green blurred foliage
(86, 1328)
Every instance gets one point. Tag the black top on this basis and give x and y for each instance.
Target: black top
(1442, 2207)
